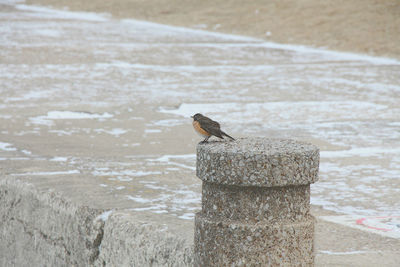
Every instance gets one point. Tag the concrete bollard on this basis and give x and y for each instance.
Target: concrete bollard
(255, 203)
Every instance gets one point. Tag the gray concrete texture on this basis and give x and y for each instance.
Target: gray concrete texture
(97, 152)
(42, 228)
(248, 161)
(255, 203)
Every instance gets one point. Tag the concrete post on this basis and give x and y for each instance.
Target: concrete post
(255, 203)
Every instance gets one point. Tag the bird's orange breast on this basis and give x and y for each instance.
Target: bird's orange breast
(197, 127)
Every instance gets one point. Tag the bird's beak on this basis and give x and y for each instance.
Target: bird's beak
(191, 117)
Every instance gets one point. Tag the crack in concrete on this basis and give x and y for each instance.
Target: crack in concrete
(97, 244)
(89, 230)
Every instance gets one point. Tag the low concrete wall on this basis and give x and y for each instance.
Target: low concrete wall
(128, 242)
(44, 229)
(41, 225)
(41, 228)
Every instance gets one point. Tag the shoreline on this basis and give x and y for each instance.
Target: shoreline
(361, 26)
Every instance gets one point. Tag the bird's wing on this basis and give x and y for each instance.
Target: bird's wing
(210, 126)
(210, 122)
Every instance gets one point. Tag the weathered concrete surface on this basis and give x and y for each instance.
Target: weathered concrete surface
(258, 162)
(96, 111)
(132, 242)
(40, 228)
(227, 243)
(255, 203)
(291, 203)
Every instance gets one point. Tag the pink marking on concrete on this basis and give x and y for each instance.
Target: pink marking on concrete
(362, 222)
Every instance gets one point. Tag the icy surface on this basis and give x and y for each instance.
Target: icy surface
(111, 99)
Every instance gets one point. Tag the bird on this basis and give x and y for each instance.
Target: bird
(206, 127)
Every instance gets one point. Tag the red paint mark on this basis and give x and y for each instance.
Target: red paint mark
(362, 222)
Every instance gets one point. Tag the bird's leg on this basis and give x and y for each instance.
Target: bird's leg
(205, 140)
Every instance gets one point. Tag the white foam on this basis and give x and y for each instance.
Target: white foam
(64, 14)
(167, 123)
(160, 208)
(46, 173)
(95, 17)
(166, 29)
(6, 117)
(187, 216)
(172, 160)
(336, 55)
(15, 158)
(32, 95)
(328, 252)
(120, 187)
(139, 199)
(135, 173)
(301, 49)
(123, 179)
(62, 115)
(67, 115)
(152, 131)
(58, 132)
(175, 201)
(361, 152)
(59, 159)
(131, 145)
(11, 2)
(115, 131)
(7, 147)
(282, 110)
(26, 152)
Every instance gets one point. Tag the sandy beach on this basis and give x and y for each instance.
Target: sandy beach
(361, 26)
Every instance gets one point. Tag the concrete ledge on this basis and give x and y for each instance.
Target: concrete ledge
(258, 162)
(43, 228)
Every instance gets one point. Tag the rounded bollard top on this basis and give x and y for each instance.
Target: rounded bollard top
(256, 161)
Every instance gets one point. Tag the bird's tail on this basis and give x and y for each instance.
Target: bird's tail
(224, 134)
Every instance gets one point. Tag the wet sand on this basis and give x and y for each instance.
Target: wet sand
(361, 26)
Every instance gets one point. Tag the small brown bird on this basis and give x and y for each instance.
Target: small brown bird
(206, 127)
